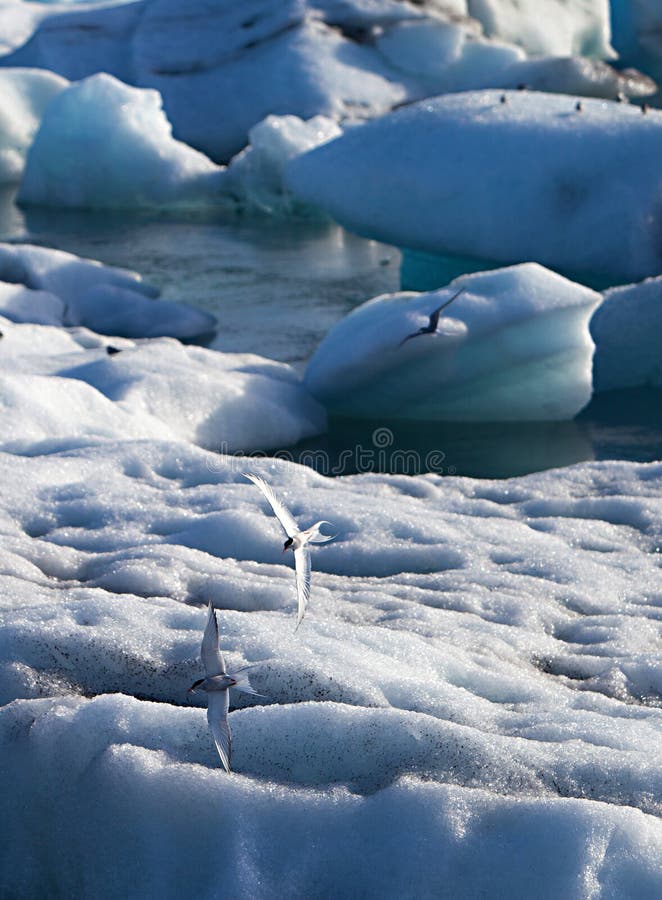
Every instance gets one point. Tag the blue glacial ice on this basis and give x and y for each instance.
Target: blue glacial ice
(515, 345)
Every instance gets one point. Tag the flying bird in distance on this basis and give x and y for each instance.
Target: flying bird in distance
(433, 324)
(216, 684)
(297, 540)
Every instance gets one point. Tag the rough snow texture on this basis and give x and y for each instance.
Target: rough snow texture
(25, 95)
(476, 684)
(64, 289)
(533, 178)
(104, 144)
(513, 346)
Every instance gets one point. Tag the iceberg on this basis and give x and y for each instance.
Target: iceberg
(514, 346)
(25, 95)
(254, 178)
(626, 329)
(61, 288)
(221, 69)
(552, 27)
(454, 56)
(503, 178)
(104, 144)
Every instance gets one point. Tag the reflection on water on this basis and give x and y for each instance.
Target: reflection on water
(625, 424)
(278, 287)
(494, 450)
(617, 425)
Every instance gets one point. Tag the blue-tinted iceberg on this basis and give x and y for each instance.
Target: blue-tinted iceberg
(454, 56)
(221, 68)
(104, 144)
(514, 345)
(627, 330)
(254, 178)
(578, 28)
(637, 34)
(25, 95)
(531, 178)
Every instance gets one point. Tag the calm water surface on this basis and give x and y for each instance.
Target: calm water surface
(276, 289)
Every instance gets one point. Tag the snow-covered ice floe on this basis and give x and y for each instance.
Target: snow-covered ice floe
(51, 287)
(515, 345)
(57, 385)
(475, 690)
(442, 57)
(25, 95)
(531, 178)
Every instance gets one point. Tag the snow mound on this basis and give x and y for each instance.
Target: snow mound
(537, 179)
(65, 289)
(104, 144)
(514, 345)
(25, 95)
(460, 841)
(156, 389)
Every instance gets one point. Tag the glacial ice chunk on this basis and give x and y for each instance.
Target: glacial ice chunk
(104, 144)
(514, 345)
(25, 95)
(559, 27)
(254, 178)
(533, 178)
(65, 385)
(104, 298)
(627, 330)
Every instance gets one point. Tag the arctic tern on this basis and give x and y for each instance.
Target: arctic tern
(433, 324)
(297, 540)
(216, 683)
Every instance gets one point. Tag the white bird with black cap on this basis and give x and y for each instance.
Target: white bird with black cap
(297, 540)
(216, 684)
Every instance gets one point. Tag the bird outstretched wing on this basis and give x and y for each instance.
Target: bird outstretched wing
(434, 317)
(281, 512)
(218, 704)
(302, 567)
(212, 658)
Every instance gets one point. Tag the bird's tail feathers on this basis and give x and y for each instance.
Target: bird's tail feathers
(242, 682)
(317, 537)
